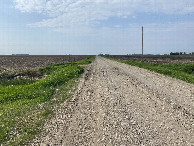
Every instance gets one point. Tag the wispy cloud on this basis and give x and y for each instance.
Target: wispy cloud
(30, 5)
(62, 13)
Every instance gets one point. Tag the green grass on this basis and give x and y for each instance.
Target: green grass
(24, 108)
(53, 68)
(183, 71)
(86, 61)
(19, 77)
(13, 82)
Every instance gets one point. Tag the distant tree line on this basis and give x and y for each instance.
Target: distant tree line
(172, 53)
(181, 53)
(107, 55)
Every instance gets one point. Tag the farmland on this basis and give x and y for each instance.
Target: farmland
(26, 96)
(116, 102)
(14, 62)
(156, 59)
(180, 67)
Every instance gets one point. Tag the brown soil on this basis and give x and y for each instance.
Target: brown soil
(12, 62)
(157, 59)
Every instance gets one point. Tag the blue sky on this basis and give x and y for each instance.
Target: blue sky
(96, 26)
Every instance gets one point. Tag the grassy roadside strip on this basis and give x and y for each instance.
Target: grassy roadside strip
(24, 108)
(183, 72)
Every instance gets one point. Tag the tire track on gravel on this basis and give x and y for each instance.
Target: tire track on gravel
(118, 104)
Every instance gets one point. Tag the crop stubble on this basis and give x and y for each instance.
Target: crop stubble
(12, 62)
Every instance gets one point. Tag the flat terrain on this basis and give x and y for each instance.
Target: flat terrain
(157, 59)
(25, 62)
(118, 104)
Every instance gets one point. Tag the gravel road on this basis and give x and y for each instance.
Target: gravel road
(118, 104)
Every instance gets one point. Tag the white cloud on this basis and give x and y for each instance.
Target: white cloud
(63, 13)
(30, 5)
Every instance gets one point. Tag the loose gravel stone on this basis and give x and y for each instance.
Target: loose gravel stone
(118, 104)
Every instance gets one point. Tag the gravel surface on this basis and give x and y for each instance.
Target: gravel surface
(118, 104)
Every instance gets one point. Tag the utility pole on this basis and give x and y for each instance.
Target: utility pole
(142, 41)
